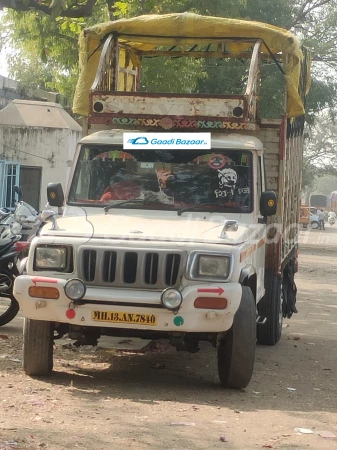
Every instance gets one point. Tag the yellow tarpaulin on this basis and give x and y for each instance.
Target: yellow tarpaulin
(187, 29)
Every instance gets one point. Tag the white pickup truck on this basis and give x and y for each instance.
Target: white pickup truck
(185, 244)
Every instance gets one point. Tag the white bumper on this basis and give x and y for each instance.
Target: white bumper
(128, 301)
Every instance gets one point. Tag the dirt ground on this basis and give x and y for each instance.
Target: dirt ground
(161, 399)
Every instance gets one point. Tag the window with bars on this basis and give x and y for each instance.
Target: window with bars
(10, 176)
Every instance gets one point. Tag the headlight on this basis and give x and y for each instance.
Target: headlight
(51, 258)
(171, 299)
(202, 266)
(214, 266)
(75, 289)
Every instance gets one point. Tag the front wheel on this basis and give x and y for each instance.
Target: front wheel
(236, 349)
(314, 225)
(38, 340)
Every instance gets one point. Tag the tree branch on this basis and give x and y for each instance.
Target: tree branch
(303, 12)
(75, 13)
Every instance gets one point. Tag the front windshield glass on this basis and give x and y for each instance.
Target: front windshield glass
(163, 179)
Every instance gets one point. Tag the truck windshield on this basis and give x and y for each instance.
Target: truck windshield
(217, 180)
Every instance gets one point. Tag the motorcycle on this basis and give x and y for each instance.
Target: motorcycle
(24, 214)
(331, 221)
(18, 225)
(10, 249)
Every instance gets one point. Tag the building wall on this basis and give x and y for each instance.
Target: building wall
(11, 89)
(49, 148)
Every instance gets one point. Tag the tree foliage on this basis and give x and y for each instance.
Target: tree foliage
(44, 36)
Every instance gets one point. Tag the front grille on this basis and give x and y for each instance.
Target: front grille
(89, 264)
(131, 268)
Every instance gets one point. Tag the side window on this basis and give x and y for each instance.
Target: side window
(10, 175)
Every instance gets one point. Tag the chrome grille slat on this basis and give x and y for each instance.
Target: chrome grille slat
(131, 267)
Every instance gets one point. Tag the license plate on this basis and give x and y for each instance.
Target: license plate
(123, 317)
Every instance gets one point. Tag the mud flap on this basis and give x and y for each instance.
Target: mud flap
(289, 293)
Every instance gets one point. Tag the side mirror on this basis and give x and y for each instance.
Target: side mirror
(18, 191)
(55, 194)
(49, 216)
(268, 204)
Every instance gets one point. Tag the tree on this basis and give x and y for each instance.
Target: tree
(44, 33)
(320, 151)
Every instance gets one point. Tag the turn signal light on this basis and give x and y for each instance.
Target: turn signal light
(210, 303)
(44, 292)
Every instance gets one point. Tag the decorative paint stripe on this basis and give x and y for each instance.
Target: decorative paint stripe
(44, 280)
(217, 290)
(261, 242)
(247, 252)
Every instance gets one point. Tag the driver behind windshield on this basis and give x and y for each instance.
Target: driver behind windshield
(122, 187)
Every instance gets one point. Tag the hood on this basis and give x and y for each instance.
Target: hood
(173, 228)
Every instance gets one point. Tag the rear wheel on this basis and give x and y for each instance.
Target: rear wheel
(314, 225)
(236, 349)
(38, 340)
(270, 307)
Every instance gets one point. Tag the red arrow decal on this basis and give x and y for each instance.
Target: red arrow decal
(217, 290)
(44, 280)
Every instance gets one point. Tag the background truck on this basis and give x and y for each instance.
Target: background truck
(174, 235)
(319, 201)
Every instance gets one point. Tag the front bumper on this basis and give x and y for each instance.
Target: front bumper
(129, 301)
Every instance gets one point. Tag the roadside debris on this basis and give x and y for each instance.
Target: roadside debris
(223, 439)
(182, 424)
(292, 389)
(326, 434)
(304, 431)
(323, 434)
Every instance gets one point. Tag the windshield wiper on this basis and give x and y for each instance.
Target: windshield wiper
(200, 205)
(123, 202)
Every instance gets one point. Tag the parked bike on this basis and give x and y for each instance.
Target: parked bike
(24, 214)
(16, 228)
(10, 249)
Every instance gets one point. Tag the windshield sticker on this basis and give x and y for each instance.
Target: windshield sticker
(218, 161)
(146, 165)
(214, 160)
(228, 179)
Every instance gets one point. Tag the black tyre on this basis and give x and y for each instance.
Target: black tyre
(236, 349)
(9, 306)
(38, 340)
(270, 307)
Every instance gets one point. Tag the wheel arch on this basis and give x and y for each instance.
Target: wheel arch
(248, 277)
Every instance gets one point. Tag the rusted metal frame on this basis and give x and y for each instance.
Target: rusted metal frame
(128, 71)
(194, 54)
(105, 116)
(135, 72)
(169, 95)
(253, 84)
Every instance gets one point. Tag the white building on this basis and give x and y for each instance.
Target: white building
(37, 146)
